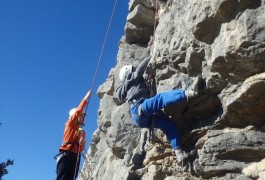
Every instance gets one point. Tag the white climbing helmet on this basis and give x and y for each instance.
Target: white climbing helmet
(125, 70)
(72, 111)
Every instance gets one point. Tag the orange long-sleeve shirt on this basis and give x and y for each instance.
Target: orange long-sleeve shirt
(72, 132)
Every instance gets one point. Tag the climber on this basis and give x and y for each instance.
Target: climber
(68, 159)
(144, 108)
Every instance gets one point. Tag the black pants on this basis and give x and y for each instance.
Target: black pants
(67, 166)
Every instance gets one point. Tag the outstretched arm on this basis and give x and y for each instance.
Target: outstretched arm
(80, 109)
(88, 95)
(141, 67)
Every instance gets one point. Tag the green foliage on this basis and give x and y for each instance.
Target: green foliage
(3, 166)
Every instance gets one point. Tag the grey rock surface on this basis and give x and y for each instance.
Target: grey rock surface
(224, 127)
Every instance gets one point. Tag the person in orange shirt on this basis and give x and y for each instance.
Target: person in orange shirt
(68, 159)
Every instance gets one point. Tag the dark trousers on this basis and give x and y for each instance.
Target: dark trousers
(67, 167)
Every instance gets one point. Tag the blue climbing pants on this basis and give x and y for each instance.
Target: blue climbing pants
(148, 109)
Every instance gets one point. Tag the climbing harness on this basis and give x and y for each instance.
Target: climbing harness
(64, 153)
(149, 81)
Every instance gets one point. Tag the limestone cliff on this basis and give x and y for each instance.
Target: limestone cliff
(224, 42)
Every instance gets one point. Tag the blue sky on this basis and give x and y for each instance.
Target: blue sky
(49, 51)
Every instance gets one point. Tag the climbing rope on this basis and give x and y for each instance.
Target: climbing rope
(102, 50)
(95, 75)
(104, 43)
(155, 23)
(87, 160)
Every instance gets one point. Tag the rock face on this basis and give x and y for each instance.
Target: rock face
(224, 42)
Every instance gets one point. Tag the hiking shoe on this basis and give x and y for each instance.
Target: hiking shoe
(194, 89)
